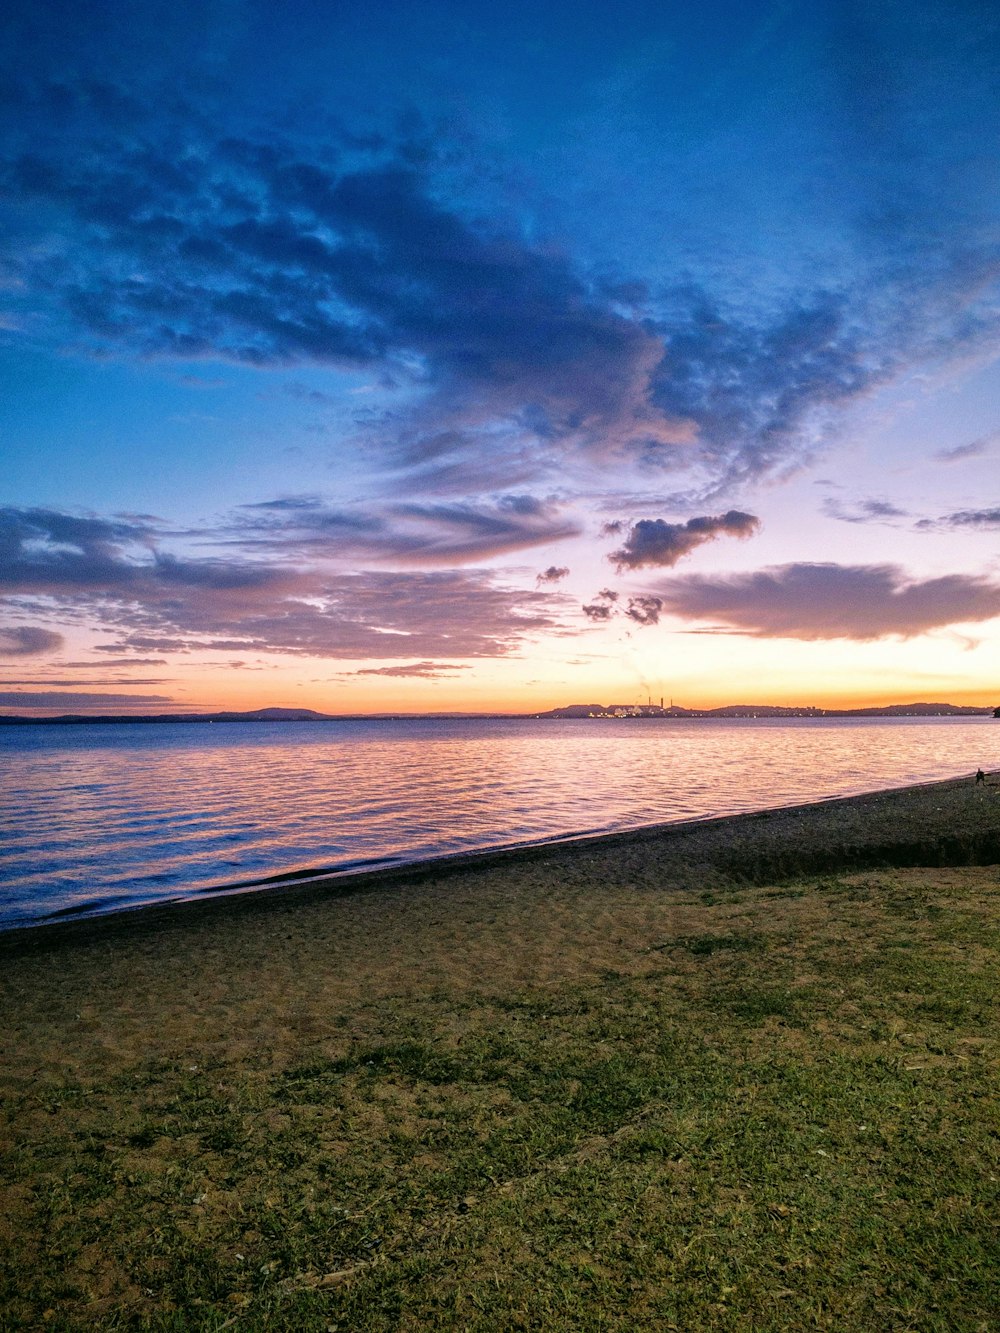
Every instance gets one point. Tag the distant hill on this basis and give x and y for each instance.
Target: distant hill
(256, 715)
(765, 710)
(569, 711)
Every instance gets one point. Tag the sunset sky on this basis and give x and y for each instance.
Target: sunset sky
(453, 356)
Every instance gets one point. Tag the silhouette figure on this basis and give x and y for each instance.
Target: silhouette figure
(980, 776)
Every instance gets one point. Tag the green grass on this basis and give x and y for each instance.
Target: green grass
(791, 1125)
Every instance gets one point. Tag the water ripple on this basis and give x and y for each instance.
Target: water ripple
(97, 818)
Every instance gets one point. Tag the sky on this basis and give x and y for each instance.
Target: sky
(471, 357)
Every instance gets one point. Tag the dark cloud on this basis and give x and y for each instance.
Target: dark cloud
(146, 224)
(827, 601)
(652, 541)
(554, 574)
(28, 641)
(644, 610)
(972, 518)
(420, 670)
(603, 606)
(259, 254)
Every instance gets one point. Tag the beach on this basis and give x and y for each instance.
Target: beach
(387, 1100)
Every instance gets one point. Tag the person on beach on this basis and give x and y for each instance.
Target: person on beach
(980, 776)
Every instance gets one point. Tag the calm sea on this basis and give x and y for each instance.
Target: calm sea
(99, 818)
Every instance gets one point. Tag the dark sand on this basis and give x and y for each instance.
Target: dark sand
(267, 974)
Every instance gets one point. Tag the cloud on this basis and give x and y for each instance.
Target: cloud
(642, 610)
(172, 230)
(410, 533)
(652, 541)
(602, 608)
(53, 682)
(554, 574)
(28, 641)
(157, 602)
(48, 551)
(866, 511)
(974, 449)
(765, 392)
(261, 254)
(419, 670)
(74, 701)
(645, 610)
(972, 518)
(828, 601)
(269, 253)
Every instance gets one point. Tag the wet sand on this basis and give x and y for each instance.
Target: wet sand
(263, 976)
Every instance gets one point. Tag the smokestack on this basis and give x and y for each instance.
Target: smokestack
(661, 700)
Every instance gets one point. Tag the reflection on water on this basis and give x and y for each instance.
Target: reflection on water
(98, 817)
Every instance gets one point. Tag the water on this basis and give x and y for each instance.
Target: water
(99, 818)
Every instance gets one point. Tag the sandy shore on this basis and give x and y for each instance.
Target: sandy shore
(271, 970)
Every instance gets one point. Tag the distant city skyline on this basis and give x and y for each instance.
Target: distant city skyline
(462, 358)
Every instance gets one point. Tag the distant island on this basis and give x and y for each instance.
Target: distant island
(602, 711)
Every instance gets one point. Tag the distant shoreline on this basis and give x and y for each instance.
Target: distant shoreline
(572, 712)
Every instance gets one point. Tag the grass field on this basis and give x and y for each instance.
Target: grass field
(744, 1108)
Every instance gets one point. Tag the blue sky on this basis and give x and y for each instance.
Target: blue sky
(468, 356)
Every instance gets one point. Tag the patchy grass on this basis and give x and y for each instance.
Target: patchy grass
(771, 1108)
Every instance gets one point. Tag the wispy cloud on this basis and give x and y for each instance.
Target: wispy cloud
(78, 700)
(654, 542)
(158, 602)
(412, 533)
(54, 682)
(864, 511)
(28, 641)
(960, 452)
(416, 670)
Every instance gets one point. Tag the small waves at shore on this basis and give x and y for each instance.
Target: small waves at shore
(102, 818)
